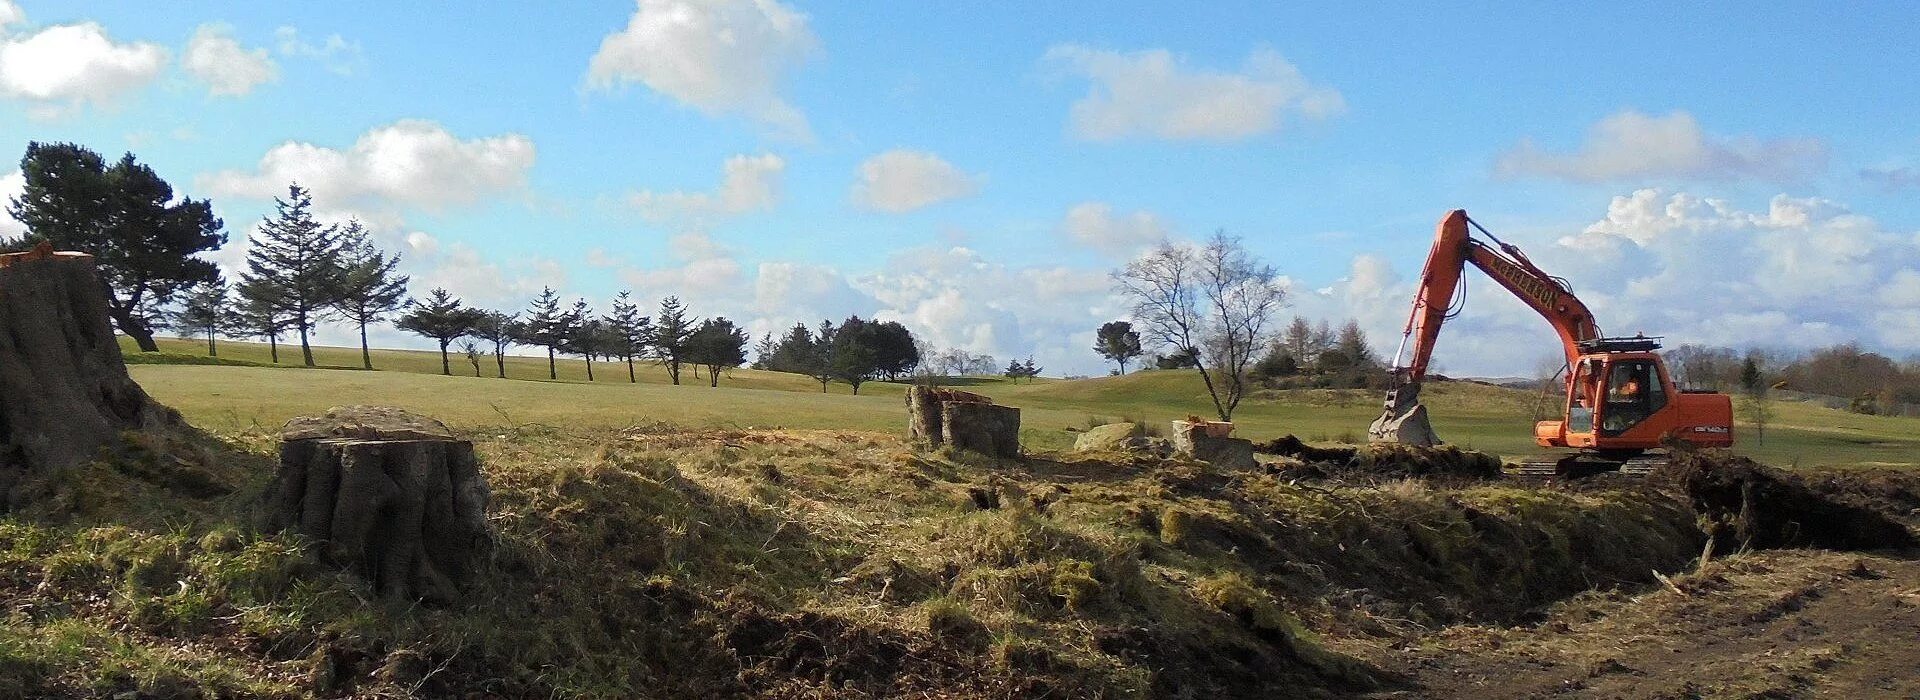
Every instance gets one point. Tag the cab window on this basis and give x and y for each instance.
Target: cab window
(1633, 392)
(1579, 406)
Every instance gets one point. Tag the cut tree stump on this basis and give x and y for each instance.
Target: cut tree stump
(1203, 441)
(391, 496)
(965, 420)
(64, 389)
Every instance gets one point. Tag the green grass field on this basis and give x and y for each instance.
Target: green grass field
(1482, 417)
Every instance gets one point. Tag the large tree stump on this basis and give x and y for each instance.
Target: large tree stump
(64, 389)
(964, 420)
(1204, 441)
(392, 497)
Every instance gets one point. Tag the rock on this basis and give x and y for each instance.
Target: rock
(387, 498)
(1194, 440)
(1112, 437)
(65, 387)
(366, 423)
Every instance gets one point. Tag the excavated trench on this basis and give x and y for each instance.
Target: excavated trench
(1738, 502)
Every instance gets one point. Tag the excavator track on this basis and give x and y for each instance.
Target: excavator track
(1578, 465)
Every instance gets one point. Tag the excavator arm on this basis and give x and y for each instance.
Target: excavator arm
(1404, 419)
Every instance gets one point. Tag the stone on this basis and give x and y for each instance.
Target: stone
(390, 496)
(1112, 437)
(65, 386)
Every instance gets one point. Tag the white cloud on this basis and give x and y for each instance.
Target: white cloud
(1632, 145)
(62, 69)
(1094, 224)
(11, 185)
(335, 52)
(750, 183)
(412, 162)
(902, 180)
(718, 56)
(10, 14)
(217, 59)
(1155, 94)
(955, 297)
(479, 281)
(1892, 178)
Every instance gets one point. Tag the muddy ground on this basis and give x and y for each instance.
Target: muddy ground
(1776, 624)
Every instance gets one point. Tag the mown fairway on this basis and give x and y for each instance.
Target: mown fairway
(1481, 417)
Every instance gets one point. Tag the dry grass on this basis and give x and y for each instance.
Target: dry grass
(651, 556)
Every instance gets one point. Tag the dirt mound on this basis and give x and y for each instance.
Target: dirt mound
(1745, 503)
(1895, 494)
(1383, 459)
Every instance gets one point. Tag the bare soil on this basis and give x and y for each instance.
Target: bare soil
(1774, 624)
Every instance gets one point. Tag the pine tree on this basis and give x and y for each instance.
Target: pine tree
(442, 318)
(585, 335)
(719, 345)
(371, 285)
(206, 309)
(143, 238)
(1119, 342)
(670, 331)
(546, 326)
(260, 314)
(820, 361)
(302, 260)
(763, 351)
(633, 331)
(501, 330)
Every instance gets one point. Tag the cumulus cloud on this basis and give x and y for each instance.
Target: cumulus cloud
(410, 163)
(717, 56)
(214, 57)
(955, 297)
(1094, 224)
(902, 180)
(10, 14)
(748, 183)
(1155, 94)
(65, 68)
(1630, 145)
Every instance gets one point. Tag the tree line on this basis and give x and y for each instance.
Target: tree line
(854, 352)
(1868, 382)
(300, 272)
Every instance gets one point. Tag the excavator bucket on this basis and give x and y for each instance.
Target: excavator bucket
(1403, 420)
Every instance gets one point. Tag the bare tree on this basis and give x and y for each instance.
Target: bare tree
(1213, 301)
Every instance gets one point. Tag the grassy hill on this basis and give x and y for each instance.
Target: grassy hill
(1473, 415)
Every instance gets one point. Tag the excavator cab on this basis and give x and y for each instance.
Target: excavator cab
(1620, 399)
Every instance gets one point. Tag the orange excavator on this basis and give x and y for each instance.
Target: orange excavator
(1621, 405)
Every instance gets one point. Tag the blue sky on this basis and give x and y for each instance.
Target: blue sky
(1737, 175)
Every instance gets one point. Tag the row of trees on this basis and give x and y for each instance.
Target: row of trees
(855, 351)
(1315, 355)
(673, 339)
(1867, 382)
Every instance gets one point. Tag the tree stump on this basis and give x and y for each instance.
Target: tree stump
(64, 389)
(1196, 440)
(391, 496)
(966, 421)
